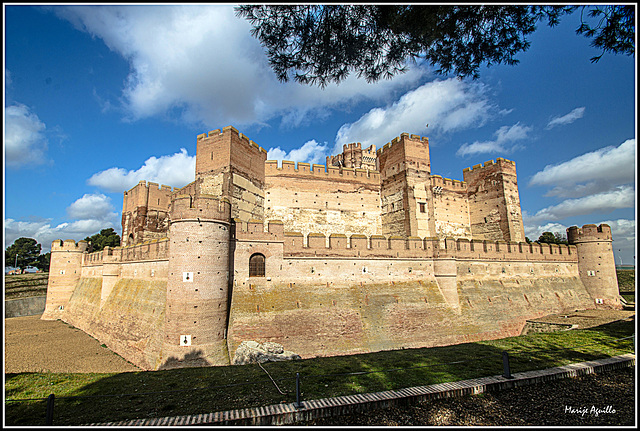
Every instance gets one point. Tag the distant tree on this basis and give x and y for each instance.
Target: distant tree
(560, 238)
(43, 261)
(27, 251)
(319, 44)
(552, 238)
(547, 238)
(106, 238)
(526, 238)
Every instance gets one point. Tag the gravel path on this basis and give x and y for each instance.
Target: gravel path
(605, 399)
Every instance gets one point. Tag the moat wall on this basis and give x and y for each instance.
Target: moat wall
(342, 316)
(331, 305)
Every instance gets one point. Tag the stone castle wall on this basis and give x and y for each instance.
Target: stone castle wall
(355, 260)
(311, 199)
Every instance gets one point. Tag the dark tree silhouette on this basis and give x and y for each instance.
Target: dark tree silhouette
(27, 251)
(106, 237)
(319, 44)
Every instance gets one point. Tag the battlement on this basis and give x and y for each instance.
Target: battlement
(401, 139)
(589, 233)
(448, 184)
(254, 230)
(94, 258)
(498, 163)
(230, 131)
(69, 245)
(395, 246)
(203, 206)
(152, 186)
(149, 250)
(316, 171)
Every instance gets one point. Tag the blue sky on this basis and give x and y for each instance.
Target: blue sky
(98, 98)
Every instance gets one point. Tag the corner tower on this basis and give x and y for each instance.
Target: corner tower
(197, 283)
(65, 270)
(596, 264)
(494, 201)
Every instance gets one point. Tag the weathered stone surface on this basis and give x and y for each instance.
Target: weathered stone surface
(251, 352)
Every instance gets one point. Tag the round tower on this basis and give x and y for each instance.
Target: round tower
(596, 264)
(65, 269)
(197, 283)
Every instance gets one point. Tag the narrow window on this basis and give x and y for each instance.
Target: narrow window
(422, 207)
(256, 265)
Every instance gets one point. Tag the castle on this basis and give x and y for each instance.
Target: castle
(370, 252)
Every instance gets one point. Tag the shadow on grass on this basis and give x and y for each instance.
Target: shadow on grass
(191, 391)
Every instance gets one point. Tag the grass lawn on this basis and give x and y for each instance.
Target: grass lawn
(626, 280)
(202, 390)
(25, 285)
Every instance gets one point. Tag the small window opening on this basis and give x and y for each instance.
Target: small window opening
(256, 265)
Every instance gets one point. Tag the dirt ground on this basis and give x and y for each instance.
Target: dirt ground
(35, 345)
(587, 318)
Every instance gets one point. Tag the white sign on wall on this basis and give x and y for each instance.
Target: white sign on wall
(185, 340)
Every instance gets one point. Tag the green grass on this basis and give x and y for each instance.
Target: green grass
(193, 392)
(626, 280)
(25, 285)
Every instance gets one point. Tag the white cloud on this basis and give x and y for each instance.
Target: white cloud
(202, 63)
(91, 214)
(310, 152)
(445, 105)
(24, 139)
(619, 197)
(44, 233)
(504, 143)
(91, 207)
(566, 119)
(176, 170)
(622, 230)
(533, 231)
(590, 173)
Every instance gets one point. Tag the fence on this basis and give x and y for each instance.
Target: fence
(294, 383)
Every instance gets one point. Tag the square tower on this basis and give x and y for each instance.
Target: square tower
(494, 201)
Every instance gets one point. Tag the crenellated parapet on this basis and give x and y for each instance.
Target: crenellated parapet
(448, 184)
(317, 171)
(148, 250)
(203, 207)
(69, 245)
(401, 140)
(589, 233)
(499, 164)
(230, 131)
(395, 246)
(253, 230)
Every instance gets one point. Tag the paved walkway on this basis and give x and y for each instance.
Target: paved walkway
(281, 414)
